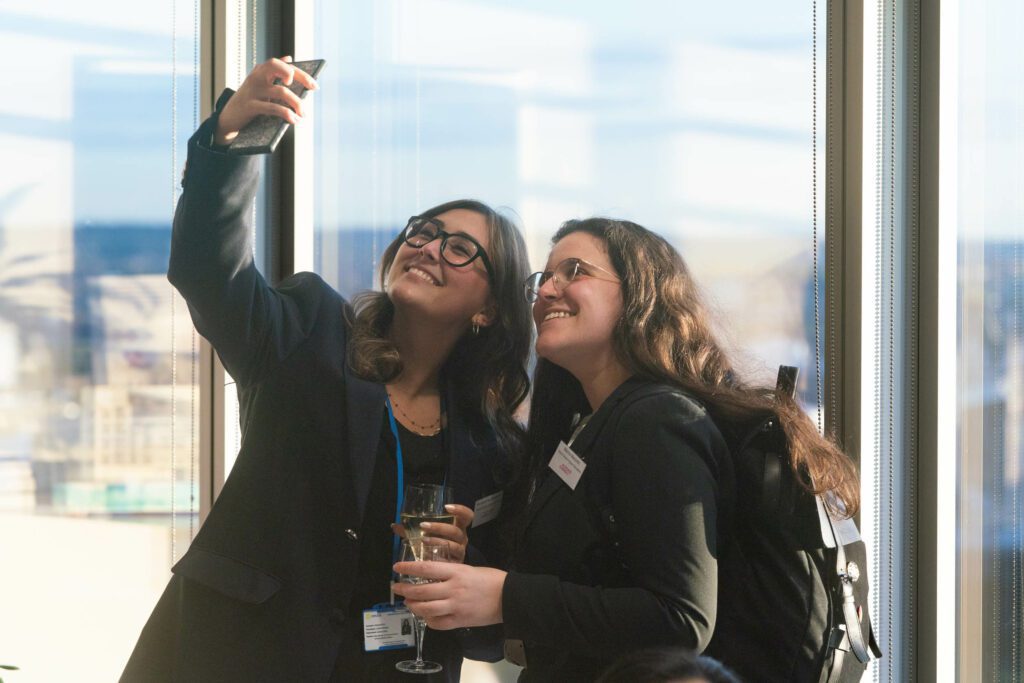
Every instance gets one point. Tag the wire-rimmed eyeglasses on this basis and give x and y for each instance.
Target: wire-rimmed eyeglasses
(564, 273)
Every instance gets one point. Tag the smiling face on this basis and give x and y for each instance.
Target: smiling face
(575, 328)
(420, 280)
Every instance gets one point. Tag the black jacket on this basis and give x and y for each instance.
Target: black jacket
(627, 559)
(263, 590)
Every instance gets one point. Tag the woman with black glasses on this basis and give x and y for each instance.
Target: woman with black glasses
(339, 403)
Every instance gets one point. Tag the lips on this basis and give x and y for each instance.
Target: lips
(423, 275)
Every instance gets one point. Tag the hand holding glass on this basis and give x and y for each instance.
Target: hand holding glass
(425, 503)
(417, 551)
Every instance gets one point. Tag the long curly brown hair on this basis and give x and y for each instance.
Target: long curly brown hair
(665, 334)
(490, 377)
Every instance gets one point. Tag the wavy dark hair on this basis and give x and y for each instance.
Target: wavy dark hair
(665, 334)
(667, 664)
(491, 378)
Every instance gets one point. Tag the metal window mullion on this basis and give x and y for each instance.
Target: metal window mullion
(934, 571)
(217, 35)
(303, 180)
(843, 252)
(919, 640)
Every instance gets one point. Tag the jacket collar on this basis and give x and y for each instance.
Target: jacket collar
(469, 470)
(364, 406)
(548, 482)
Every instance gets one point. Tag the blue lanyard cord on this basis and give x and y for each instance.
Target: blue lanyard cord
(401, 475)
(400, 465)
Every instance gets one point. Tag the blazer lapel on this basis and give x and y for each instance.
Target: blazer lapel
(547, 484)
(467, 474)
(549, 481)
(364, 401)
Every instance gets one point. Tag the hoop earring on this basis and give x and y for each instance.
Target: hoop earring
(476, 329)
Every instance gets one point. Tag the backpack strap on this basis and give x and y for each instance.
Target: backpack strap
(598, 497)
(847, 573)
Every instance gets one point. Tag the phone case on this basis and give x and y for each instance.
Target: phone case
(261, 135)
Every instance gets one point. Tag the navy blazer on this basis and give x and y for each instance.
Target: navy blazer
(263, 591)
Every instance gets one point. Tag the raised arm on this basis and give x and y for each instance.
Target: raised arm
(211, 260)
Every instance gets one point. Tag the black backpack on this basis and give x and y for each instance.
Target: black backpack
(793, 585)
(792, 601)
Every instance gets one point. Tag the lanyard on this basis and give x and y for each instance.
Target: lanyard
(401, 474)
(400, 465)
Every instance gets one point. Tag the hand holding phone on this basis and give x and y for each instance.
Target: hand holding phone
(256, 117)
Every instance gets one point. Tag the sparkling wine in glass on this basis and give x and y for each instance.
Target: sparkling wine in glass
(418, 551)
(425, 503)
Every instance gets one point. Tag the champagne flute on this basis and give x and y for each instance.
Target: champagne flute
(425, 503)
(418, 551)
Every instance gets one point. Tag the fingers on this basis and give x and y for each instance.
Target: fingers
(422, 592)
(470, 597)
(264, 91)
(463, 515)
(450, 534)
(446, 531)
(443, 623)
(399, 530)
(438, 611)
(284, 95)
(282, 70)
(274, 109)
(277, 69)
(305, 79)
(456, 551)
(427, 569)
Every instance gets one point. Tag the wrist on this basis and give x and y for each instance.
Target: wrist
(221, 136)
(498, 589)
(222, 139)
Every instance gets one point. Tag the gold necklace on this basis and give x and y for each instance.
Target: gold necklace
(431, 429)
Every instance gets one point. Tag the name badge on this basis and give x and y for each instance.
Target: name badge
(487, 508)
(388, 627)
(567, 465)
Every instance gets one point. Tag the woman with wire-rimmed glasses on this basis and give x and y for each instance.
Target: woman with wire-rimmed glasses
(628, 516)
(565, 272)
(341, 405)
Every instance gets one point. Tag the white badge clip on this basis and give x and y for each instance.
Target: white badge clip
(388, 627)
(567, 465)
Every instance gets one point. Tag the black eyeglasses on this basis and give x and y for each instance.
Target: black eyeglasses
(457, 250)
(564, 273)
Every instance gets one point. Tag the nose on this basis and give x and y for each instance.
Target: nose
(547, 290)
(432, 249)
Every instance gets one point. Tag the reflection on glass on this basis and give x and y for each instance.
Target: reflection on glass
(689, 118)
(989, 147)
(86, 395)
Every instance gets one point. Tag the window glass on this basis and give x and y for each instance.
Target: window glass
(988, 177)
(692, 119)
(97, 433)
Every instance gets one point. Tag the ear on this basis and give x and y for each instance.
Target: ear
(486, 316)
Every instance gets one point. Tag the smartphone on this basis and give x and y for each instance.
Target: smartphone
(261, 135)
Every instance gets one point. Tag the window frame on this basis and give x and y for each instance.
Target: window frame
(931, 645)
